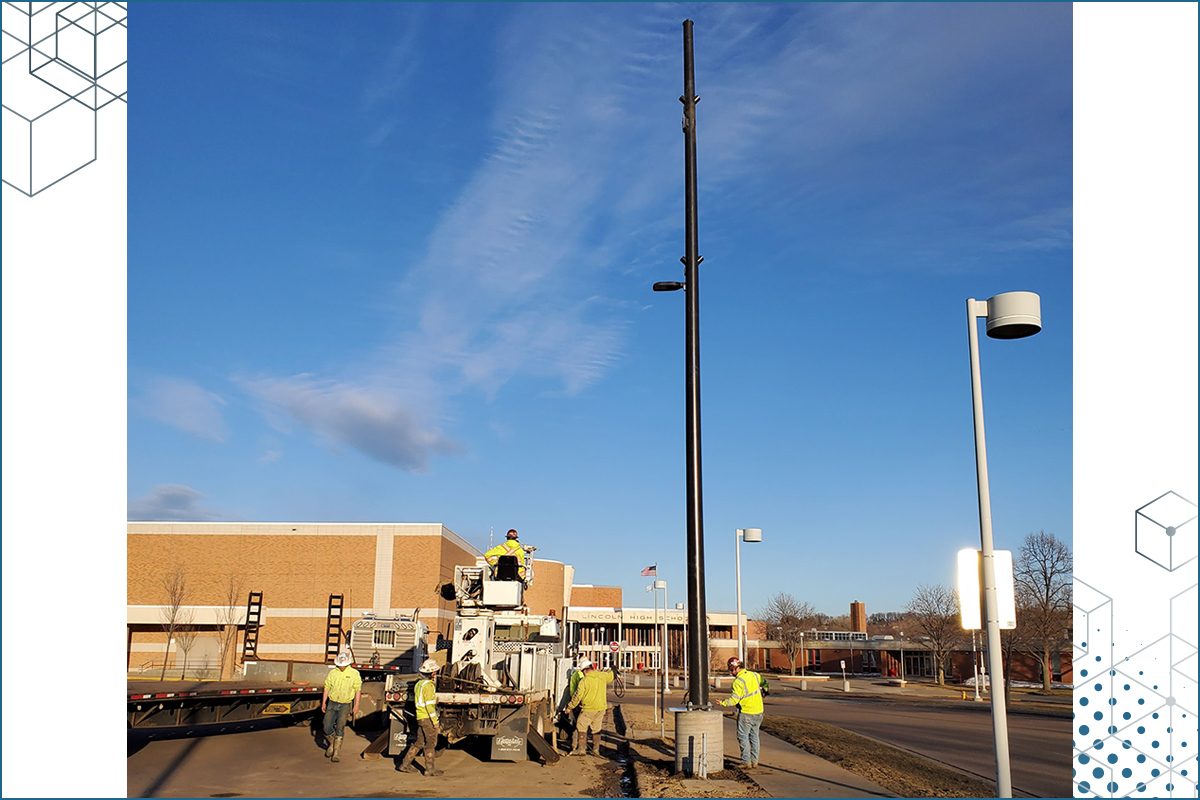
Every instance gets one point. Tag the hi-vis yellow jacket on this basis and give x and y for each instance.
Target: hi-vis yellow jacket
(425, 699)
(509, 547)
(747, 692)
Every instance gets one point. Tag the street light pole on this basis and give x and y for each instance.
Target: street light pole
(737, 568)
(697, 605)
(750, 535)
(1011, 315)
(666, 645)
(975, 665)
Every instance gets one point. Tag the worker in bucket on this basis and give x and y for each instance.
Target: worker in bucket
(425, 700)
(591, 696)
(748, 697)
(511, 546)
(339, 700)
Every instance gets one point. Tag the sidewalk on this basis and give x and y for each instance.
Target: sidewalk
(784, 769)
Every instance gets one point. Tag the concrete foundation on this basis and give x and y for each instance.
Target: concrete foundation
(699, 742)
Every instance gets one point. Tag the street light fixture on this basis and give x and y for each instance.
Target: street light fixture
(1011, 315)
(750, 535)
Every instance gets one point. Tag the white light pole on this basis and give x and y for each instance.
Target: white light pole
(975, 665)
(750, 535)
(803, 654)
(687, 676)
(651, 588)
(1011, 315)
(666, 652)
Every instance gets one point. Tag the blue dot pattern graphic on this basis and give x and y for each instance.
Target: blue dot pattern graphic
(1136, 722)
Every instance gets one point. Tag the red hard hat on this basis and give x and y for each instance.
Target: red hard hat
(734, 663)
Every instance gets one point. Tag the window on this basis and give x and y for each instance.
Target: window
(383, 638)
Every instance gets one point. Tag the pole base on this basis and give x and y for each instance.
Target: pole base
(699, 742)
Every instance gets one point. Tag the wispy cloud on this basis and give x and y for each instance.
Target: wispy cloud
(581, 184)
(370, 420)
(185, 405)
(171, 502)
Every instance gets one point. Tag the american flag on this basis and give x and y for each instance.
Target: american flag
(650, 570)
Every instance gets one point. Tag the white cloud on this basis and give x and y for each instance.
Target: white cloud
(371, 420)
(171, 502)
(185, 405)
(582, 181)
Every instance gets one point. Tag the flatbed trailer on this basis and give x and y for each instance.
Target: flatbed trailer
(189, 704)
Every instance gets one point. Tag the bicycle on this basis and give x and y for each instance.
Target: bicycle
(618, 683)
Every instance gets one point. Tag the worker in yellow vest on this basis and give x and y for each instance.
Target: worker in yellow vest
(339, 700)
(570, 719)
(748, 697)
(511, 546)
(425, 700)
(591, 696)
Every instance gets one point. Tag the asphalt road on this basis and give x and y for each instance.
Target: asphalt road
(1039, 747)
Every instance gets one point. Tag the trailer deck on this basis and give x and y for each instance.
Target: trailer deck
(186, 704)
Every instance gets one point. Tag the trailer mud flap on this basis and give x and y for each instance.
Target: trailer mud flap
(508, 743)
(397, 736)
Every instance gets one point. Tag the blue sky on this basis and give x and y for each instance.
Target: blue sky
(393, 263)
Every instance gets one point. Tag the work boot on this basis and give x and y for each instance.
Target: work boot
(337, 745)
(431, 770)
(328, 746)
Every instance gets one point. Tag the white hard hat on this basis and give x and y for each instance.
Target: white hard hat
(429, 665)
(585, 664)
(343, 659)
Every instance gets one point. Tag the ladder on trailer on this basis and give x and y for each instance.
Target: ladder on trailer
(253, 622)
(333, 628)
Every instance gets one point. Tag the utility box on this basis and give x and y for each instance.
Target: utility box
(502, 594)
(472, 641)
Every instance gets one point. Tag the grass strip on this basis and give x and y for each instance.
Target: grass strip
(899, 771)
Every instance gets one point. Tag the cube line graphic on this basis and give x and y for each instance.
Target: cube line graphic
(1134, 726)
(1165, 531)
(62, 63)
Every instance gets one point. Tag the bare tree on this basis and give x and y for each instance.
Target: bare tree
(1043, 585)
(787, 619)
(887, 623)
(934, 611)
(231, 616)
(174, 587)
(839, 623)
(185, 637)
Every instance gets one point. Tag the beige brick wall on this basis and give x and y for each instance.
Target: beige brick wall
(546, 593)
(292, 571)
(418, 567)
(601, 596)
(296, 566)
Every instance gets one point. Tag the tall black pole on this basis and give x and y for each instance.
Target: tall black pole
(697, 607)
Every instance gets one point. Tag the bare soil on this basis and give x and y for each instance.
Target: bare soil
(904, 773)
(653, 761)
